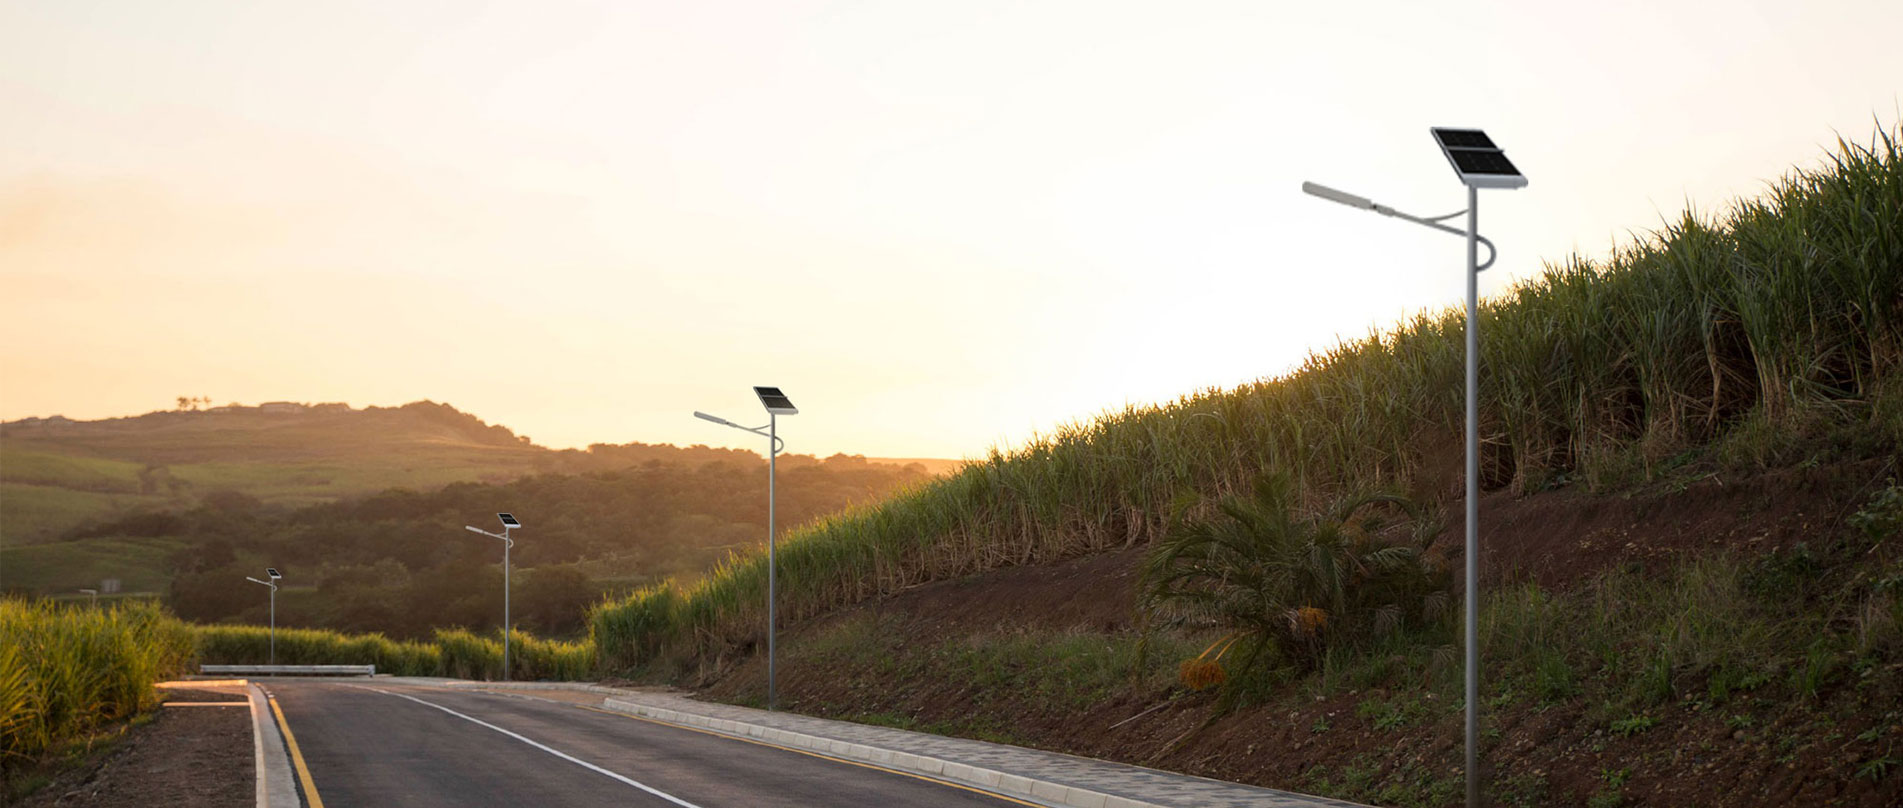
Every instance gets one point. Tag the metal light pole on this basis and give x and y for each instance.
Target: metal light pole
(272, 572)
(1480, 164)
(776, 404)
(509, 523)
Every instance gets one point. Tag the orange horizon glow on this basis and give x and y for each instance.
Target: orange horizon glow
(940, 227)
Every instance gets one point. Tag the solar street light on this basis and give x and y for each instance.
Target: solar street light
(776, 404)
(272, 573)
(1479, 164)
(775, 401)
(509, 522)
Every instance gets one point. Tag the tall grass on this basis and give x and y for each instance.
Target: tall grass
(1785, 312)
(452, 652)
(66, 669)
(469, 656)
(251, 645)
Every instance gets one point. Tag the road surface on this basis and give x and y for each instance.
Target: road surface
(366, 743)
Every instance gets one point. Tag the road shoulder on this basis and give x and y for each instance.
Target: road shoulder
(200, 755)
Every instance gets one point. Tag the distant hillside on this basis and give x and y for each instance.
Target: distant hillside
(57, 474)
(362, 510)
(933, 466)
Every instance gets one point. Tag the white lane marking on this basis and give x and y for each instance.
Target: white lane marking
(558, 753)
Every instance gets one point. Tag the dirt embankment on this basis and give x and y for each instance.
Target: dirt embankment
(186, 755)
(1319, 739)
(1561, 538)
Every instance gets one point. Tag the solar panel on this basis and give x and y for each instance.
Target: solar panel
(508, 520)
(1465, 138)
(273, 572)
(1482, 162)
(775, 401)
(1479, 162)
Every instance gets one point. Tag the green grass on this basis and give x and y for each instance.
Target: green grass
(1718, 631)
(1808, 641)
(1058, 670)
(37, 513)
(1408, 785)
(62, 567)
(55, 493)
(55, 479)
(65, 670)
(302, 483)
(95, 474)
(1740, 334)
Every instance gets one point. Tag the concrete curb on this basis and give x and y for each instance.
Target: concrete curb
(1057, 794)
(465, 684)
(277, 785)
(1013, 785)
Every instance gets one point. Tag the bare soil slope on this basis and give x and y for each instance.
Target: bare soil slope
(899, 667)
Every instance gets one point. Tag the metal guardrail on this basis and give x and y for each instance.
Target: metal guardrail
(291, 670)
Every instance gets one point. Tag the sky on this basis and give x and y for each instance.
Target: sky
(940, 227)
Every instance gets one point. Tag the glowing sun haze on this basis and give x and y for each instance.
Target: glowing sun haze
(938, 226)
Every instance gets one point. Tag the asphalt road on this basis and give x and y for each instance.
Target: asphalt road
(372, 744)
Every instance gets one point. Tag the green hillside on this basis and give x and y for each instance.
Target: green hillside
(56, 474)
(1745, 341)
(367, 505)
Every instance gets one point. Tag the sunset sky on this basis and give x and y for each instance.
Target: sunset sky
(938, 226)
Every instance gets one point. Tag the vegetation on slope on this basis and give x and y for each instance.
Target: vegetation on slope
(1779, 321)
(1778, 672)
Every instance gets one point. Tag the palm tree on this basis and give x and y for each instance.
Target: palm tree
(1282, 583)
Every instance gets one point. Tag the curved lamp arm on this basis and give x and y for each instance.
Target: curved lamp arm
(1364, 203)
(779, 442)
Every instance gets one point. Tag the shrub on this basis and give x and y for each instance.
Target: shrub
(1294, 585)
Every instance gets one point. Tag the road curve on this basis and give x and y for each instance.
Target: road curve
(376, 744)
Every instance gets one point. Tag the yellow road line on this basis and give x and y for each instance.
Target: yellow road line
(297, 758)
(808, 753)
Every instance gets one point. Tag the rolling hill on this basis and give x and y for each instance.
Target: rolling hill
(57, 474)
(180, 503)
